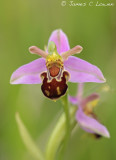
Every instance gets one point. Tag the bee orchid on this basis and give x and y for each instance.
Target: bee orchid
(57, 67)
(85, 116)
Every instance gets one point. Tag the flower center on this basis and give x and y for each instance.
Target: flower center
(55, 79)
(54, 64)
(88, 109)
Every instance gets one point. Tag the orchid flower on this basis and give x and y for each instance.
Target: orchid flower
(85, 117)
(56, 67)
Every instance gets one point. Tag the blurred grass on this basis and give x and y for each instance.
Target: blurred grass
(26, 23)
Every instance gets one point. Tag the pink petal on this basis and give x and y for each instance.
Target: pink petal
(73, 100)
(91, 125)
(61, 40)
(29, 73)
(81, 71)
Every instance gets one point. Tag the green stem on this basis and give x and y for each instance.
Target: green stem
(58, 134)
(67, 128)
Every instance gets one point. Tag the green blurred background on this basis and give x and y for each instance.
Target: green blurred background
(30, 22)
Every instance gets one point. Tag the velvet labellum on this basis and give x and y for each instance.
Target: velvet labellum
(54, 89)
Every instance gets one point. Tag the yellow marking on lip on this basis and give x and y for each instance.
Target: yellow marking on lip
(58, 90)
(47, 92)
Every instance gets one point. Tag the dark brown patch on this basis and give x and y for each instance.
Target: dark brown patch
(54, 89)
(97, 136)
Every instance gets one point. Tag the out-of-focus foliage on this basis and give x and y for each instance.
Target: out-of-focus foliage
(30, 22)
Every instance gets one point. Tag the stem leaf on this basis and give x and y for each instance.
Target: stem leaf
(27, 140)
